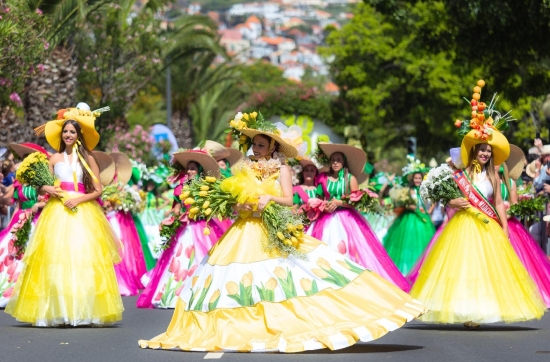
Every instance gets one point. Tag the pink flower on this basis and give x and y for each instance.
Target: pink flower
(8, 260)
(46, 45)
(192, 270)
(314, 202)
(158, 297)
(3, 81)
(181, 275)
(38, 11)
(188, 251)
(7, 292)
(178, 252)
(356, 196)
(342, 247)
(178, 291)
(40, 66)
(174, 266)
(371, 194)
(14, 97)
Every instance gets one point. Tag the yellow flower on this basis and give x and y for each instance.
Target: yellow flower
(206, 231)
(185, 195)
(323, 264)
(215, 296)
(245, 116)
(194, 281)
(271, 284)
(208, 212)
(194, 210)
(234, 124)
(203, 193)
(210, 179)
(306, 284)
(206, 204)
(280, 273)
(232, 288)
(208, 281)
(205, 188)
(287, 242)
(280, 235)
(253, 115)
(344, 264)
(294, 240)
(300, 227)
(320, 273)
(189, 201)
(247, 279)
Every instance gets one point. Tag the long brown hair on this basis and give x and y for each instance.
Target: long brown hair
(489, 166)
(84, 151)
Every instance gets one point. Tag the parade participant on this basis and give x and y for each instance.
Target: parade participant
(26, 199)
(244, 298)
(190, 242)
(133, 262)
(152, 215)
(382, 183)
(306, 189)
(533, 258)
(413, 229)
(68, 277)
(472, 275)
(340, 226)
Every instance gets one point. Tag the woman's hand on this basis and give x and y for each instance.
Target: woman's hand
(263, 201)
(332, 205)
(506, 232)
(459, 203)
(72, 203)
(35, 208)
(51, 190)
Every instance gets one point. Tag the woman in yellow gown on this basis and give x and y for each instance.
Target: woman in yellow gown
(472, 275)
(68, 278)
(242, 298)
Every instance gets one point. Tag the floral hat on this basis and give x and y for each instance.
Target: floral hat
(414, 166)
(81, 114)
(485, 126)
(246, 126)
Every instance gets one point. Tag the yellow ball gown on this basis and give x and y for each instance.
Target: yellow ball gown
(473, 274)
(68, 276)
(241, 298)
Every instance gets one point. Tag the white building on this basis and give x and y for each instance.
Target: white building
(261, 9)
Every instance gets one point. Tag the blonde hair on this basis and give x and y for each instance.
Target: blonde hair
(489, 166)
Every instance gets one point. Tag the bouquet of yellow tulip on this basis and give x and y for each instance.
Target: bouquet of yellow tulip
(209, 197)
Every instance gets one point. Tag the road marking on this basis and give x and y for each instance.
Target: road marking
(213, 355)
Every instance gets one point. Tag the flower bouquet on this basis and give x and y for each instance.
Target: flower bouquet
(121, 198)
(209, 197)
(21, 231)
(440, 186)
(364, 201)
(527, 207)
(401, 197)
(311, 210)
(35, 171)
(168, 228)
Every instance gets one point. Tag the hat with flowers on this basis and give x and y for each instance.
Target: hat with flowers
(246, 126)
(485, 125)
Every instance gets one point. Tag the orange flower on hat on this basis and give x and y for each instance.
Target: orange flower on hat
(61, 113)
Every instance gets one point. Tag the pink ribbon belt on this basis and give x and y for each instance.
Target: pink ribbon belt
(69, 186)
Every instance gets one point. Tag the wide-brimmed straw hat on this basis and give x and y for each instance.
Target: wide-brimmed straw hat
(207, 162)
(500, 148)
(123, 167)
(219, 152)
(515, 162)
(80, 114)
(530, 169)
(356, 158)
(286, 145)
(107, 167)
(23, 149)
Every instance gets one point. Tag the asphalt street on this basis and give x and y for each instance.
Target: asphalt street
(415, 342)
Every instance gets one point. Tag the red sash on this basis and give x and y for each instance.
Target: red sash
(475, 198)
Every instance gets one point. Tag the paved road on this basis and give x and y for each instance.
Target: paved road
(523, 342)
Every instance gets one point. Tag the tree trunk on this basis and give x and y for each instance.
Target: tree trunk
(183, 129)
(11, 128)
(50, 90)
